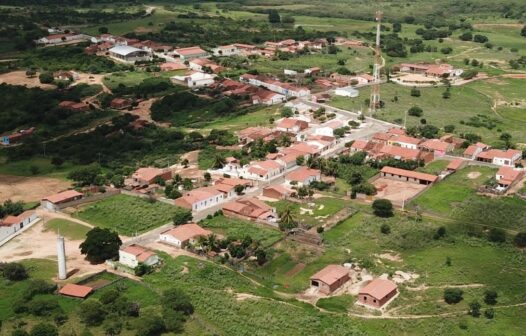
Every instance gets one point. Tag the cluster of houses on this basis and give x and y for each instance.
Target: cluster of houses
(63, 37)
(269, 48)
(7, 139)
(11, 225)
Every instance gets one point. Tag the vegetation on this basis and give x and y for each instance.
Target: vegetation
(100, 245)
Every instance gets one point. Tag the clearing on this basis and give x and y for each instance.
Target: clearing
(19, 188)
(20, 78)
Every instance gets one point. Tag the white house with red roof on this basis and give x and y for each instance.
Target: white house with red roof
(54, 202)
(194, 79)
(508, 176)
(10, 225)
(266, 97)
(226, 50)
(500, 157)
(201, 64)
(303, 176)
(183, 235)
(148, 175)
(62, 38)
(438, 147)
(291, 125)
(405, 141)
(250, 208)
(134, 254)
(200, 198)
(190, 53)
(472, 151)
(263, 170)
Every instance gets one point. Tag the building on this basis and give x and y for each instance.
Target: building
(347, 91)
(407, 175)
(10, 225)
(205, 65)
(9, 139)
(200, 198)
(190, 53)
(264, 170)
(76, 291)
(508, 176)
(266, 97)
(377, 293)
(291, 125)
(129, 54)
(195, 79)
(438, 147)
(250, 134)
(404, 141)
(172, 66)
(55, 201)
(120, 103)
(401, 153)
(66, 76)
(146, 176)
(455, 165)
(431, 70)
(183, 235)
(73, 106)
(277, 192)
(134, 254)
(473, 150)
(500, 157)
(330, 279)
(62, 38)
(226, 50)
(303, 176)
(250, 208)
(228, 186)
(273, 85)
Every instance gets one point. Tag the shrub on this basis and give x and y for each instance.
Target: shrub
(489, 313)
(46, 78)
(13, 271)
(109, 296)
(520, 239)
(415, 111)
(42, 306)
(474, 309)
(453, 295)
(44, 329)
(497, 235)
(150, 325)
(385, 229)
(177, 300)
(91, 312)
(441, 232)
(415, 92)
(490, 297)
(382, 208)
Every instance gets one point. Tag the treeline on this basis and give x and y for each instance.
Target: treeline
(63, 16)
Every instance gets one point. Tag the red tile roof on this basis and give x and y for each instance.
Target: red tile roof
(435, 145)
(290, 123)
(141, 253)
(455, 164)
(12, 220)
(493, 153)
(63, 196)
(409, 173)
(187, 231)
(75, 290)
(302, 173)
(190, 51)
(331, 274)
(378, 288)
(509, 175)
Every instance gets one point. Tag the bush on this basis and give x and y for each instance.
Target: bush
(520, 239)
(44, 329)
(13, 271)
(490, 297)
(385, 229)
(415, 111)
(109, 296)
(474, 309)
(91, 312)
(496, 235)
(43, 306)
(177, 300)
(46, 78)
(383, 208)
(441, 232)
(453, 295)
(182, 216)
(489, 313)
(150, 325)
(415, 92)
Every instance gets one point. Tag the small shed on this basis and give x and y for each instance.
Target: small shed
(330, 278)
(76, 291)
(377, 293)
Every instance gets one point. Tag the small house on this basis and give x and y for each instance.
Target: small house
(12, 224)
(378, 293)
(183, 235)
(277, 192)
(134, 254)
(75, 291)
(54, 202)
(303, 176)
(147, 176)
(330, 279)
(120, 103)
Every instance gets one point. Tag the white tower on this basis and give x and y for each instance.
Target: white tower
(61, 254)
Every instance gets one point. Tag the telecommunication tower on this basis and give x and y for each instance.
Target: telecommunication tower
(375, 92)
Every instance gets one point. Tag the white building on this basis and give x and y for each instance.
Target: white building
(195, 79)
(133, 255)
(347, 91)
(227, 50)
(263, 170)
(129, 54)
(62, 38)
(12, 224)
(200, 199)
(303, 176)
(183, 235)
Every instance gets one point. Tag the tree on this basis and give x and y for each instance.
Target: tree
(385, 229)
(453, 295)
(207, 176)
(523, 31)
(13, 271)
(490, 297)
(112, 327)
(117, 181)
(31, 73)
(496, 235)
(446, 94)
(46, 78)
(397, 27)
(415, 92)
(150, 325)
(44, 329)
(300, 160)
(182, 216)
(489, 313)
(219, 161)
(19, 332)
(57, 161)
(273, 16)
(449, 128)
(520, 239)
(261, 256)
(239, 189)
(173, 320)
(474, 309)
(467, 36)
(415, 111)
(287, 220)
(103, 30)
(286, 112)
(101, 245)
(383, 208)
(480, 38)
(42, 306)
(175, 299)
(441, 232)
(85, 175)
(109, 296)
(91, 312)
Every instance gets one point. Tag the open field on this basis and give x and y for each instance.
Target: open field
(238, 229)
(28, 189)
(396, 191)
(312, 212)
(259, 117)
(126, 214)
(70, 230)
(20, 78)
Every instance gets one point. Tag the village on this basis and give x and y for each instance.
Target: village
(305, 202)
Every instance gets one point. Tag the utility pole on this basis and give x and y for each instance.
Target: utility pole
(375, 92)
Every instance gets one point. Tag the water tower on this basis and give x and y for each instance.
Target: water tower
(61, 256)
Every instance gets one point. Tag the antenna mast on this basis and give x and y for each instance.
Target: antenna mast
(375, 93)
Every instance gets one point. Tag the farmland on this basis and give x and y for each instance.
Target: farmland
(126, 214)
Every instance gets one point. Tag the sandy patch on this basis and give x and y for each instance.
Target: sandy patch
(474, 175)
(305, 211)
(19, 188)
(142, 29)
(396, 191)
(20, 78)
(516, 76)
(389, 256)
(246, 296)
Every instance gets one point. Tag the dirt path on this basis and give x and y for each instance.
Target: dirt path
(27, 189)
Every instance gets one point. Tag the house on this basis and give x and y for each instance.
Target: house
(401, 153)
(285, 89)
(291, 125)
(172, 66)
(205, 65)
(500, 157)
(330, 279)
(228, 186)
(473, 150)
(288, 160)
(8, 139)
(407, 175)
(134, 254)
(360, 145)
(183, 235)
(305, 149)
(62, 38)
(190, 53)
(129, 54)
(454, 141)
(76, 291)
(277, 192)
(303, 176)
(253, 133)
(194, 79)
(200, 198)
(432, 70)
(312, 71)
(250, 208)
(455, 165)
(146, 176)
(55, 201)
(438, 147)
(266, 97)
(12, 224)
(66, 75)
(508, 176)
(264, 170)
(377, 293)
(120, 103)
(299, 107)
(73, 106)
(404, 141)
(246, 49)
(226, 50)
(347, 91)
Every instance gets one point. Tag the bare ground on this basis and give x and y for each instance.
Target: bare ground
(19, 188)
(20, 78)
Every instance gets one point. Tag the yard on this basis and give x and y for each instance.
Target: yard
(70, 230)
(127, 215)
(312, 212)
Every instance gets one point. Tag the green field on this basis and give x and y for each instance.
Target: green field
(259, 117)
(238, 229)
(66, 228)
(127, 215)
(434, 167)
(312, 212)
(43, 168)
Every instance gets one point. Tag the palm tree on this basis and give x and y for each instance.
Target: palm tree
(287, 219)
(219, 161)
(212, 242)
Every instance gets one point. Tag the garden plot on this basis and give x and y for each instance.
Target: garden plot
(397, 191)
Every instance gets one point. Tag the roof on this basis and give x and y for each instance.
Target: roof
(360, 144)
(331, 274)
(75, 290)
(63, 196)
(304, 148)
(508, 174)
(493, 153)
(268, 164)
(378, 288)
(279, 188)
(400, 152)
(302, 174)
(409, 173)
(233, 181)
(455, 164)
(289, 123)
(189, 51)
(197, 195)
(148, 173)
(141, 253)
(12, 220)
(407, 139)
(473, 148)
(124, 50)
(396, 130)
(435, 145)
(187, 231)
(255, 132)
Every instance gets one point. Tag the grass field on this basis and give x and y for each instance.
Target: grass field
(312, 213)
(434, 167)
(238, 229)
(134, 78)
(68, 229)
(43, 168)
(126, 214)
(259, 117)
